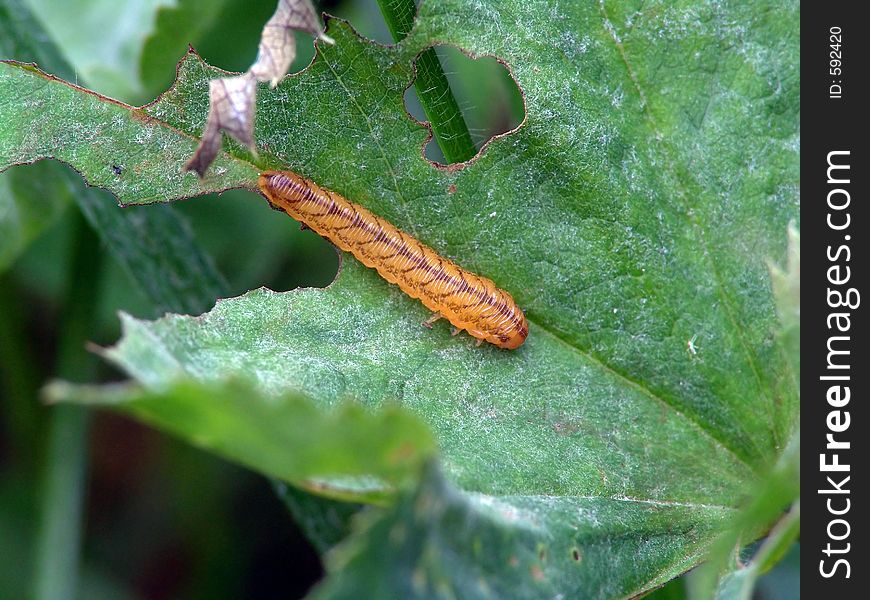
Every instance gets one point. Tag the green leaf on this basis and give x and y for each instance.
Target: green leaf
(551, 452)
(98, 136)
(156, 248)
(740, 583)
(437, 542)
(324, 521)
(285, 436)
(631, 215)
(361, 338)
(777, 492)
(781, 486)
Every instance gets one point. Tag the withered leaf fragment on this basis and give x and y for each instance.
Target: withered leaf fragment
(232, 100)
(278, 43)
(231, 109)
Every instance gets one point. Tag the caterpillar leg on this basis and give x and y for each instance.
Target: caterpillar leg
(477, 334)
(455, 331)
(303, 227)
(428, 322)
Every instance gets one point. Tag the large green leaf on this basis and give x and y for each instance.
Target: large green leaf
(632, 215)
(508, 422)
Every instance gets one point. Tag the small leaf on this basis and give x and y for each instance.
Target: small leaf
(740, 583)
(345, 452)
(156, 248)
(776, 493)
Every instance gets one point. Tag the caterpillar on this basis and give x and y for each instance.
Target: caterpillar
(470, 302)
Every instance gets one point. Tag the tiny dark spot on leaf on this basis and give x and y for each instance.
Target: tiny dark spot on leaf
(117, 169)
(575, 554)
(451, 189)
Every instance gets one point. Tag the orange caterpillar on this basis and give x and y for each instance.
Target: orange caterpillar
(468, 301)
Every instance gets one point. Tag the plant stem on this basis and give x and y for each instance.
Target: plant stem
(57, 558)
(19, 380)
(59, 537)
(432, 87)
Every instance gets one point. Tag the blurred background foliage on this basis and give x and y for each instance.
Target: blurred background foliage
(162, 519)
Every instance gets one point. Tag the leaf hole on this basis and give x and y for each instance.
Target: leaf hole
(488, 97)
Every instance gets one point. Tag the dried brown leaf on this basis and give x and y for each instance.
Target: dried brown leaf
(231, 109)
(232, 100)
(278, 44)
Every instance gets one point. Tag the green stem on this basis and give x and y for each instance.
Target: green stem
(59, 538)
(19, 380)
(57, 558)
(432, 87)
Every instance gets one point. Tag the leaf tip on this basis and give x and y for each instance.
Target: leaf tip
(54, 392)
